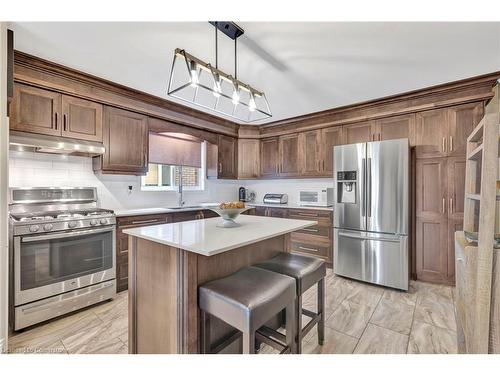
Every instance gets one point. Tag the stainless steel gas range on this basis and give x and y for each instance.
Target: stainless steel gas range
(62, 252)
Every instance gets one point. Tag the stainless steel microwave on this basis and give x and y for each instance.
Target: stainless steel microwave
(316, 197)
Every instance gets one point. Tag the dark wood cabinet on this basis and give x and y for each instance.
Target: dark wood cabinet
(289, 159)
(82, 119)
(127, 222)
(357, 133)
(269, 155)
(462, 120)
(310, 153)
(395, 127)
(431, 133)
(248, 158)
(36, 110)
(440, 190)
(227, 157)
(125, 137)
(330, 137)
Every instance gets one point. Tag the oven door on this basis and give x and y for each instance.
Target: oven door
(49, 264)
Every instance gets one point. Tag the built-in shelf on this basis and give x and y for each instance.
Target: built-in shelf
(476, 197)
(477, 153)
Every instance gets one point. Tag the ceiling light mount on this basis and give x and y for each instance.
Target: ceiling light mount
(198, 82)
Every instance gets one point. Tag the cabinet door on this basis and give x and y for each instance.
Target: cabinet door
(277, 212)
(431, 133)
(82, 119)
(395, 127)
(456, 187)
(310, 153)
(289, 164)
(248, 158)
(261, 211)
(431, 238)
(36, 110)
(125, 136)
(462, 120)
(227, 157)
(269, 157)
(330, 137)
(358, 133)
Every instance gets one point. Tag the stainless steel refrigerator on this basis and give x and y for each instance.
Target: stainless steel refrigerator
(371, 212)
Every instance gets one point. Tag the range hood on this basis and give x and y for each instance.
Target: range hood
(20, 141)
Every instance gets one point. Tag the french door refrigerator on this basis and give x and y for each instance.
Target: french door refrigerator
(371, 212)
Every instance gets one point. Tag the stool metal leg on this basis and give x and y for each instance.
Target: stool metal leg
(205, 332)
(248, 341)
(321, 311)
(298, 320)
(291, 324)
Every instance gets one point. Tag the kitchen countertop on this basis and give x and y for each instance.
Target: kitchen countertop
(289, 205)
(205, 238)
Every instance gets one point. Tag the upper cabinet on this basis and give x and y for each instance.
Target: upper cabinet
(82, 119)
(462, 120)
(357, 133)
(289, 148)
(125, 137)
(444, 132)
(269, 157)
(394, 127)
(36, 110)
(46, 112)
(330, 137)
(310, 154)
(248, 158)
(227, 157)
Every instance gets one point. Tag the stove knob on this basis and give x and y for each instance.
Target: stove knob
(72, 224)
(47, 227)
(93, 222)
(103, 221)
(34, 228)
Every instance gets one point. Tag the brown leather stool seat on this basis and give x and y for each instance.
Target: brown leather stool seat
(306, 271)
(246, 300)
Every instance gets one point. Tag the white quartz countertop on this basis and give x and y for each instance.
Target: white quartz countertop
(290, 205)
(206, 238)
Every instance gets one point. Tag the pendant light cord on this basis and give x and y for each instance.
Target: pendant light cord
(235, 57)
(216, 48)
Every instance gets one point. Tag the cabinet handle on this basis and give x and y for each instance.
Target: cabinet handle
(308, 248)
(304, 214)
(444, 203)
(55, 120)
(451, 205)
(379, 136)
(64, 122)
(146, 221)
(220, 167)
(310, 230)
(444, 144)
(323, 165)
(451, 144)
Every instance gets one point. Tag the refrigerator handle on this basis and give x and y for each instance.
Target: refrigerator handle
(369, 184)
(363, 191)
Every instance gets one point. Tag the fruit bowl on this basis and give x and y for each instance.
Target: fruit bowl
(228, 216)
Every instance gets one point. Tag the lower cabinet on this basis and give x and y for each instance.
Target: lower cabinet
(127, 222)
(316, 240)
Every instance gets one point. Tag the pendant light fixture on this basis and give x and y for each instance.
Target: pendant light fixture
(195, 81)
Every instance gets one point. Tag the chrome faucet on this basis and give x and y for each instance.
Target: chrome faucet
(180, 190)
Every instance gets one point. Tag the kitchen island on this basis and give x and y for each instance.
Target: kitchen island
(168, 262)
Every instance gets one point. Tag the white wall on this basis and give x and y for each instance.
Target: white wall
(4, 142)
(28, 169)
(288, 186)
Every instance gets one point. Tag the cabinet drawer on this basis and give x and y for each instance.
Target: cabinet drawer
(317, 230)
(312, 249)
(142, 220)
(312, 214)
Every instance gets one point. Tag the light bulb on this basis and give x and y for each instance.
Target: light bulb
(194, 75)
(236, 95)
(251, 103)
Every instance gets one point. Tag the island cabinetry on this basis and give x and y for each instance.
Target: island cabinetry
(122, 249)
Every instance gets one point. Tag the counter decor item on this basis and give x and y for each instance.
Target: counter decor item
(229, 212)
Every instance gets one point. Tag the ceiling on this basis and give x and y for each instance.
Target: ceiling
(302, 67)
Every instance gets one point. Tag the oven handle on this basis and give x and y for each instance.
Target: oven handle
(65, 234)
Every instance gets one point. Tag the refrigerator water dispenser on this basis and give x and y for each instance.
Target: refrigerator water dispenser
(346, 186)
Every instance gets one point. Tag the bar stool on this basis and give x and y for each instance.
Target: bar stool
(246, 300)
(307, 271)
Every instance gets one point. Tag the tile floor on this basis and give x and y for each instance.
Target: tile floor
(360, 318)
